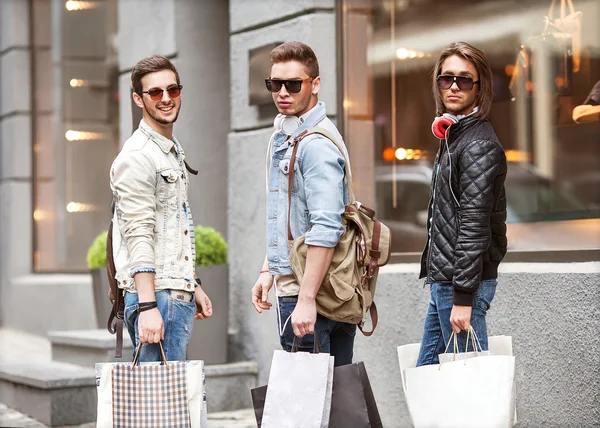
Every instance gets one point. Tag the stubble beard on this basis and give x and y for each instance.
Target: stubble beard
(158, 119)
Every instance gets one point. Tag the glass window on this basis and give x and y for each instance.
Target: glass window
(546, 64)
(75, 127)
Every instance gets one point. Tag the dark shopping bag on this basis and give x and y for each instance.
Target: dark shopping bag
(352, 404)
(258, 400)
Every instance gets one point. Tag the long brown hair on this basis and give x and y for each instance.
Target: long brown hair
(478, 59)
(152, 64)
(297, 51)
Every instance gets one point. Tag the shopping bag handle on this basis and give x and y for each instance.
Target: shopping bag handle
(317, 348)
(470, 335)
(136, 358)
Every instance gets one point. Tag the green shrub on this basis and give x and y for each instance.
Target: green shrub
(96, 256)
(211, 248)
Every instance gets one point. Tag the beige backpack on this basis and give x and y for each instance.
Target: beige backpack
(348, 289)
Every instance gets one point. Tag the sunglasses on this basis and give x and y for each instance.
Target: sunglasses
(464, 83)
(292, 86)
(156, 94)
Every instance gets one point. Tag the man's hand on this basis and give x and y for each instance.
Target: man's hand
(304, 316)
(460, 318)
(260, 292)
(151, 327)
(203, 304)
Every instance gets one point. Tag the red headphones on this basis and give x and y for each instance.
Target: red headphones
(440, 125)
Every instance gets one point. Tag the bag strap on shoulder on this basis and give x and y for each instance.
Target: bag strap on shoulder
(347, 171)
(115, 319)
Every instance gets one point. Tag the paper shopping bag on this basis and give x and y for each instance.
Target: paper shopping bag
(407, 356)
(125, 392)
(258, 402)
(353, 403)
(299, 391)
(462, 393)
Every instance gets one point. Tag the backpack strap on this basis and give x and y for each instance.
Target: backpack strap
(115, 319)
(296, 143)
(190, 169)
(374, 320)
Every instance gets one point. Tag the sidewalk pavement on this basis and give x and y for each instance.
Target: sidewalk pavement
(20, 346)
(236, 419)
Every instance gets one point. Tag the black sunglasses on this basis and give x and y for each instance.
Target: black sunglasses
(156, 94)
(292, 86)
(464, 83)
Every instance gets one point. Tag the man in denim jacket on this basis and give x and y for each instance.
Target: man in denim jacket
(319, 195)
(153, 234)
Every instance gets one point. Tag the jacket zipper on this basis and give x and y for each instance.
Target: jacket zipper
(433, 195)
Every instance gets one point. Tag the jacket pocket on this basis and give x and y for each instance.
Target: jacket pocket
(169, 184)
(284, 176)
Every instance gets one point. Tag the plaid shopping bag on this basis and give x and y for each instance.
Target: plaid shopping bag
(150, 396)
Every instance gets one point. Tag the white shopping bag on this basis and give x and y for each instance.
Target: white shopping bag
(299, 391)
(195, 385)
(476, 393)
(407, 356)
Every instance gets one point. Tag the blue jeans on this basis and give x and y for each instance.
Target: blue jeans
(437, 328)
(178, 319)
(335, 338)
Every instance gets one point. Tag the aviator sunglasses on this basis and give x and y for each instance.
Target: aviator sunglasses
(156, 94)
(464, 83)
(292, 86)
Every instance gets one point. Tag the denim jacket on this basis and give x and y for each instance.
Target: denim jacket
(319, 191)
(152, 223)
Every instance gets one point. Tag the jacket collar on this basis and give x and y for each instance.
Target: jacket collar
(317, 115)
(462, 126)
(164, 143)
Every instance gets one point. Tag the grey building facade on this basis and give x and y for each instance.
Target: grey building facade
(549, 305)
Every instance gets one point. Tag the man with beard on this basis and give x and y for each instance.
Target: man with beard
(467, 210)
(317, 199)
(153, 234)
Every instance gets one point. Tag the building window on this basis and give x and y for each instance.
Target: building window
(543, 113)
(75, 127)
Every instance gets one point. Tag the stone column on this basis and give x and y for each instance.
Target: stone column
(15, 146)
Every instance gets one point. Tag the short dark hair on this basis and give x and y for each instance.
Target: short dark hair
(148, 65)
(297, 51)
(478, 59)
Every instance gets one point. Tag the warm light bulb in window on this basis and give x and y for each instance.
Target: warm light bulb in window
(79, 207)
(402, 53)
(401, 154)
(73, 5)
(77, 83)
(73, 135)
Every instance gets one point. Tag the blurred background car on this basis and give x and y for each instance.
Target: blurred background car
(541, 215)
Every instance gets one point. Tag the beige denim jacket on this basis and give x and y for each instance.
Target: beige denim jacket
(153, 228)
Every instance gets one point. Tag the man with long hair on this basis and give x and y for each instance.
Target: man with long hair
(467, 210)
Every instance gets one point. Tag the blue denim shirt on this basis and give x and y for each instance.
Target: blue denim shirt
(319, 191)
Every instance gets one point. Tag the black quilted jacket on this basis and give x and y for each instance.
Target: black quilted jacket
(467, 239)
